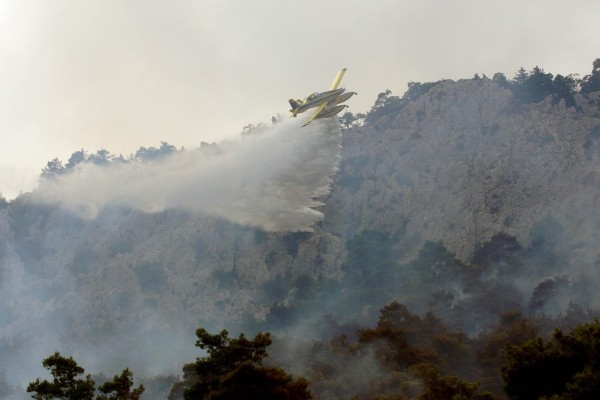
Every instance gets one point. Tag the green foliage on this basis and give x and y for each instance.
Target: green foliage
(564, 87)
(385, 104)
(546, 290)
(512, 328)
(76, 158)
(69, 384)
(249, 381)
(154, 154)
(66, 384)
(567, 366)
(591, 83)
(447, 387)
(536, 85)
(404, 339)
(349, 120)
(53, 168)
(233, 370)
(397, 338)
(501, 80)
(417, 89)
(120, 388)
(502, 250)
(103, 157)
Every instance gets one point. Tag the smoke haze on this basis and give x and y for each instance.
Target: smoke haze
(269, 180)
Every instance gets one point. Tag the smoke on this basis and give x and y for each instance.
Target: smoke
(270, 180)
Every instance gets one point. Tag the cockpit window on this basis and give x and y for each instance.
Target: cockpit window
(312, 96)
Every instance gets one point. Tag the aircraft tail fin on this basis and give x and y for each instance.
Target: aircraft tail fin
(294, 103)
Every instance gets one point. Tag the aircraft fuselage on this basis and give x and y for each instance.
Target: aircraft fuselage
(327, 103)
(316, 99)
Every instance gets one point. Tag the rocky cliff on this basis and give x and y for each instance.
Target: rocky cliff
(467, 161)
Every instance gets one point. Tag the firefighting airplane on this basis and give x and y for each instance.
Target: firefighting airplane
(327, 103)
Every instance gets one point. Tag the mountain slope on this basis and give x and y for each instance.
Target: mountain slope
(467, 161)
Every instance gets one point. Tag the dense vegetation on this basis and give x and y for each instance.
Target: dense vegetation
(69, 384)
(468, 315)
(102, 157)
(233, 370)
(405, 356)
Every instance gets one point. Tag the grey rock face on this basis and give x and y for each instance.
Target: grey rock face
(466, 161)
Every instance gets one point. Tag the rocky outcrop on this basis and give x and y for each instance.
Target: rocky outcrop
(467, 161)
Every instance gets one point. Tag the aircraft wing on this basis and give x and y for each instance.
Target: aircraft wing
(338, 78)
(315, 114)
(334, 85)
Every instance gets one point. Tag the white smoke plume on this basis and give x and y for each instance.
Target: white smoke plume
(271, 180)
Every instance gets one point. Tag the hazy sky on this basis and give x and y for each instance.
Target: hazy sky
(120, 74)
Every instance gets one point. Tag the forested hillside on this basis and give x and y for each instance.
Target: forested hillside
(461, 221)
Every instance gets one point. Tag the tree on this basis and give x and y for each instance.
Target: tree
(102, 157)
(521, 77)
(76, 158)
(67, 383)
(233, 370)
(564, 88)
(154, 154)
(512, 329)
(349, 120)
(120, 388)
(385, 104)
(567, 366)
(447, 387)
(535, 87)
(501, 80)
(417, 89)
(251, 382)
(591, 83)
(53, 168)
(502, 251)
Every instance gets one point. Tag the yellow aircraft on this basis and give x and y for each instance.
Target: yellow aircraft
(327, 103)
